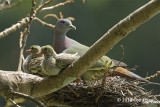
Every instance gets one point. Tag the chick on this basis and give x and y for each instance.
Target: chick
(53, 63)
(32, 64)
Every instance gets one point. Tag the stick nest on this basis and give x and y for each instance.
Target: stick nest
(114, 91)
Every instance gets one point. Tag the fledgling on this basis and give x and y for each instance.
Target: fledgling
(53, 63)
(32, 64)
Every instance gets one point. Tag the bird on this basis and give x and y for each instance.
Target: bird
(64, 44)
(53, 63)
(32, 64)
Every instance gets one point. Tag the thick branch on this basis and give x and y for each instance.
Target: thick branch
(15, 27)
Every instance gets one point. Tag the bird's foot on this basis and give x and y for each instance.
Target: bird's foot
(78, 80)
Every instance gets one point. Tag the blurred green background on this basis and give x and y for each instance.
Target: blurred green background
(93, 19)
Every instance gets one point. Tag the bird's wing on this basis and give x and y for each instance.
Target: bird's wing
(63, 60)
(34, 65)
(76, 47)
(119, 63)
(81, 49)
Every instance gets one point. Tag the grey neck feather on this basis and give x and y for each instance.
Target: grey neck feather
(31, 56)
(48, 57)
(61, 41)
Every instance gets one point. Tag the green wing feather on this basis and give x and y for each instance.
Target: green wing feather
(35, 65)
(90, 74)
(63, 60)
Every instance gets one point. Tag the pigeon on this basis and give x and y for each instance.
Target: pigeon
(64, 44)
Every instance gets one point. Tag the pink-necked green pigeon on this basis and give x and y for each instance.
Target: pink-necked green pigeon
(62, 43)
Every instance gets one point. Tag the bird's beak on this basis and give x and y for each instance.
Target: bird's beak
(119, 71)
(72, 27)
(29, 51)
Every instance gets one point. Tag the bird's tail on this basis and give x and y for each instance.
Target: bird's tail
(119, 71)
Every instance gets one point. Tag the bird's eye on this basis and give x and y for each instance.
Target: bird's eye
(45, 49)
(32, 48)
(62, 22)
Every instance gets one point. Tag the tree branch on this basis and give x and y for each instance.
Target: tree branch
(25, 20)
(24, 35)
(7, 4)
(14, 27)
(44, 23)
(17, 94)
(14, 103)
(58, 5)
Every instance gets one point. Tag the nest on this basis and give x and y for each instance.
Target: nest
(114, 91)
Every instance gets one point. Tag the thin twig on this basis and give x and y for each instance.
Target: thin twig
(7, 5)
(61, 15)
(153, 76)
(24, 35)
(41, 2)
(14, 103)
(71, 18)
(51, 15)
(122, 57)
(22, 43)
(40, 8)
(39, 103)
(73, 91)
(58, 5)
(122, 93)
(98, 97)
(44, 23)
(32, 14)
(11, 102)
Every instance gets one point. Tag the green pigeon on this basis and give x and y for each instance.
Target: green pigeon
(32, 64)
(53, 63)
(64, 44)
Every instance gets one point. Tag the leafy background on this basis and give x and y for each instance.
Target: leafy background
(93, 19)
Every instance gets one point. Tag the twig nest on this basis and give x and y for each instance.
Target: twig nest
(115, 92)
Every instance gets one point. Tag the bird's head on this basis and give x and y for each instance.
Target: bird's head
(48, 51)
(34, 49)
(64, 25)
